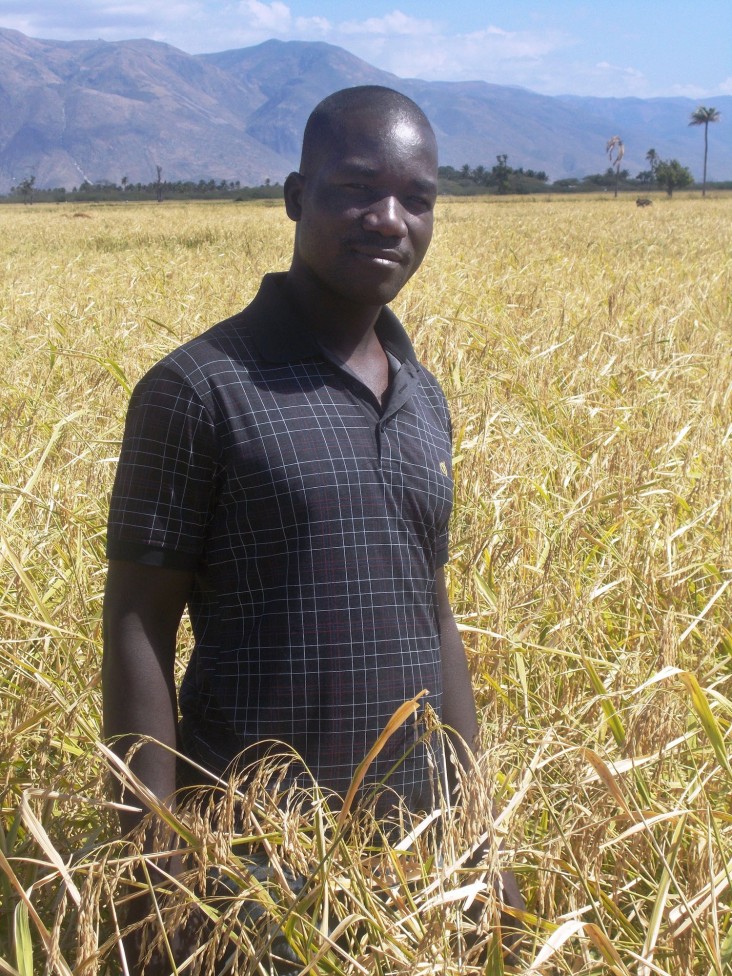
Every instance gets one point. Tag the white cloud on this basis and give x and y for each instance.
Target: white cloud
(414, 47)
(687, 91)
(405, 45)
(698, 91)
(614, 80)
(392, 23)
(96, 18)
(250, 22)
(511, 45)
(313, 26)
(272, 18)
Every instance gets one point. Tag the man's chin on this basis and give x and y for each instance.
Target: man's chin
(378, 287)
(372, 293)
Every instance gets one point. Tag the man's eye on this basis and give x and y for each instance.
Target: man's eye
(420, 203)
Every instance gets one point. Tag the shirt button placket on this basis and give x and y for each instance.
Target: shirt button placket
(383, 441)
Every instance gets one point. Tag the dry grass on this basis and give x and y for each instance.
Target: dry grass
(586, 348)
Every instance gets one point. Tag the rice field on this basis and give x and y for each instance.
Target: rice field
(585, 346)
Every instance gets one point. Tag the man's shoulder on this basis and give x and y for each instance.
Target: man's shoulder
(429, 380)
(230, 339)
(233, 344)
(192, 370)
(431, 386)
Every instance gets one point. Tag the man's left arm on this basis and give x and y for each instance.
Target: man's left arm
(458, 700)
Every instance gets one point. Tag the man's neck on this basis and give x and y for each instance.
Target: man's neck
(345, 328)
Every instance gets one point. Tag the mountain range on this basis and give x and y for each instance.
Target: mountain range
(72, 111)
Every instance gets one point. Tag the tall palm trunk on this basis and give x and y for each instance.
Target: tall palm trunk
(703, 116)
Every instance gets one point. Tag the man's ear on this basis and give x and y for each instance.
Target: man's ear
(293, 195)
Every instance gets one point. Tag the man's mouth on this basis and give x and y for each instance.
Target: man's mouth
(388, 256)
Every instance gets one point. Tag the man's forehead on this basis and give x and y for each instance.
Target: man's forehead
(365, 138)
(407, 129)
(378, 127)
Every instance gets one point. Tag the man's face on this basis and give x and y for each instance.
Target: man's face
(364, 208)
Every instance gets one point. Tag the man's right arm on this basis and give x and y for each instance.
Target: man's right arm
(143, 606)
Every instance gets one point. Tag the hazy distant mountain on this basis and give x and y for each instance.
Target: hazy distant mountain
(94, 110)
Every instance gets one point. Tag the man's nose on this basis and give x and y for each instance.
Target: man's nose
(386, 217)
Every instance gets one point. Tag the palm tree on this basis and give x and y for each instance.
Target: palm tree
(703, 116)
(652, 159)
(615, 151)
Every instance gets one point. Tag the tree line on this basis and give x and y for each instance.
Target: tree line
(667, 174)
(501, 177)
(158, 189)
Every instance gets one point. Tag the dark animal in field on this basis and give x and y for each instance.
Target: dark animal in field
(643, 202)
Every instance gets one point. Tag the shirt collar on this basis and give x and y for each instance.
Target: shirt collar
(280, 333)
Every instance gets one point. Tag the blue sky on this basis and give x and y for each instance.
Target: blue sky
(644, 48)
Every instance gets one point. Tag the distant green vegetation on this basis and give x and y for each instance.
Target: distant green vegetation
(105, 192)
(480, 180)
(503, 179)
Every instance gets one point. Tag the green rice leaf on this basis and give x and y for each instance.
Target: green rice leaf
(22, 940)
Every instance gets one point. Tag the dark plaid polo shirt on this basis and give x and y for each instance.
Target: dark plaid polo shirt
(314, 522)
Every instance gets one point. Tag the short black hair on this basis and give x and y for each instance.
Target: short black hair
(330, 114)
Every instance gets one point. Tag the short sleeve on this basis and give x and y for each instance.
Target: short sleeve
(164, 488)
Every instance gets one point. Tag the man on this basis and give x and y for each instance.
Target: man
(286, 475)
